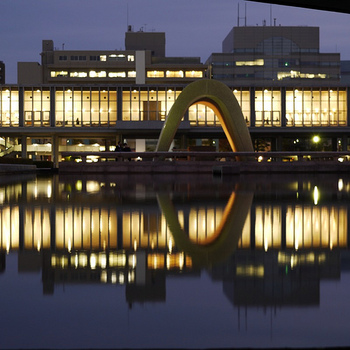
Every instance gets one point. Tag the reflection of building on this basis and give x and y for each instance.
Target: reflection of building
(76, 232)
(280, 277)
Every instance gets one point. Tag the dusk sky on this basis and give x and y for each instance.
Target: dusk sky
(193, 27)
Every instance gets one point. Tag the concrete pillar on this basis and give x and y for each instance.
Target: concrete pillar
(283, 107)
(24, 147)
(252, 107)
(54, 150)
(140, 145)
(344, 143)
(20, 107)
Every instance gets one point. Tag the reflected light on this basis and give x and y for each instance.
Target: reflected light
(250, 271)
(93, 261)
(121, 278)
(114, 278)
(132, 261)
(104, 276)
(316, 195)
(170, 245)
(69, 245)
(131, 276)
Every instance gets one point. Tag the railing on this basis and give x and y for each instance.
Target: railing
(206, 156)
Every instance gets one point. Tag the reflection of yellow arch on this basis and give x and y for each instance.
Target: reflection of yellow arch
(226, 236)
(218, 97)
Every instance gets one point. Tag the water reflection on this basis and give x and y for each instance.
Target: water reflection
(270, 242)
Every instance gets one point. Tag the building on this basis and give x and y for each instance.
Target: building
(274, 55)
(2, 73)
(142, 62)
(90, 100)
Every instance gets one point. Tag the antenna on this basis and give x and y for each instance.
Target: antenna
(127, 15)
(245, 15)
(270, 15)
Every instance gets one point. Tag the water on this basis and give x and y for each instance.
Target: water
(174, 261)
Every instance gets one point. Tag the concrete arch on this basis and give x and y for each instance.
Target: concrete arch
(220, 98)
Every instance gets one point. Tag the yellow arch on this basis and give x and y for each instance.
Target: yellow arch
(220, 98)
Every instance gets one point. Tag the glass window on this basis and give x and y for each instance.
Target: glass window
(155, 74)
(100, 74)
(315, 107)
(243, 98)
(56, 74)
(202, 115)
(194, 74)
(117, 75)
(267, 107)
(36, 107)
(174, 74)
(9, 105)
(128, 97)
(78, 74)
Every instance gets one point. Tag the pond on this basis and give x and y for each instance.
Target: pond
(169, 261)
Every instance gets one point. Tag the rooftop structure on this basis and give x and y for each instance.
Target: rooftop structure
(276, 55)
(142, 62)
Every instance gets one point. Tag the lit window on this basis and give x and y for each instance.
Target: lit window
(55, 74)
(174, 74)
(194, 74)
(116, 74)
(94, 74)
(296, 74)
(78, 74)
(132, 74)
(258, 62)
(131, 58)
(155, 74)
(103, 58)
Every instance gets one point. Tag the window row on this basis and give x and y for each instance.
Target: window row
(125, 74)
(102, 58)
(84, 227)
(99, 107)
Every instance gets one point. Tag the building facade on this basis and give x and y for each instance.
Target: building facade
(90, 100)
(275, 55)
(142, 62)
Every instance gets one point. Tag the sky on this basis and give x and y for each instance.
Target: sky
(194, 28)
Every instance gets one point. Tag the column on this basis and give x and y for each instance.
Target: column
(24, 146)
(54, 150)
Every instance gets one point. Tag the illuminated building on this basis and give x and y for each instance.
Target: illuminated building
(142, 62)
(274, 56)
(103, 97)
